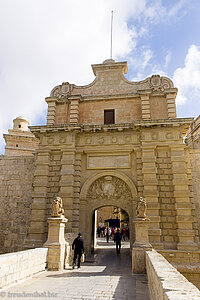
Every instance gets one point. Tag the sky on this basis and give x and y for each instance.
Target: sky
(46, 42)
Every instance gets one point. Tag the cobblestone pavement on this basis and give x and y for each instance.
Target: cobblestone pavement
(103, 276)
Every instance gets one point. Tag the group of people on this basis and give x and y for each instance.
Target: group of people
(109, 232)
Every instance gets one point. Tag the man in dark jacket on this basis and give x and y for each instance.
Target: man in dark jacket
(78, 247)
(117, 240)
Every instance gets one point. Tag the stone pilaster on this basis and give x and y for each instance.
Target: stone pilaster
(183, 205)
(74, 109)
(77, 186)
(166, 198)
(138, 153)
(51, 113)
(67, 185)
(38, 226)
(85, 225)
(150, 193)
(171, 107)
(145, 104)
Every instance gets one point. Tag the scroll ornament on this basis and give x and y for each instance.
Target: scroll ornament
(160, 83)
(62, 91)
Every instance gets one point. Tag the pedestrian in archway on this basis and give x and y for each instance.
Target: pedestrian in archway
(117, 240)
(107, 234)
(78, 247)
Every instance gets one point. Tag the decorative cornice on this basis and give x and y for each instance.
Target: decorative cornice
(112, 96)
(184, 122)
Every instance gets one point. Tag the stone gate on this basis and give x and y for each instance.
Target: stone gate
(108, 143)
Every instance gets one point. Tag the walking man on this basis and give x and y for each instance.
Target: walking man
(78, 247)
(107, 234)
(117, 240)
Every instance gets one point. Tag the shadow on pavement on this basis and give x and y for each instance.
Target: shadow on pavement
(117, 272)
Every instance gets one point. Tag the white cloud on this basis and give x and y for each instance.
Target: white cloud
(147, 55)
(43, 43)
(175, 9)
(187, 79)
(167, 59)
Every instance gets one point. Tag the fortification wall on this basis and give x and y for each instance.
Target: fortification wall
(16, 178)
(195, 172)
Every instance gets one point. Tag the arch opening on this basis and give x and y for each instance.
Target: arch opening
(107, 188)
(106, 220)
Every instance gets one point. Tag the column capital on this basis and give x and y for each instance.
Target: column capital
(50, 100)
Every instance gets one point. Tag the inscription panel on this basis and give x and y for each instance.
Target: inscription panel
(108, 161)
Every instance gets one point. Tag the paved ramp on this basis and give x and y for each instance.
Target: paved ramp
(103, 276)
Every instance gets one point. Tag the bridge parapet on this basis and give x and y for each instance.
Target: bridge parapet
(20, 265)
(165, 282)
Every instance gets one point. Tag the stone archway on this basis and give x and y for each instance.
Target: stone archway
(103, 189)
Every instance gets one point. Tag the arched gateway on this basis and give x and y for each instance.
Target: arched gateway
(102, 138)
(103, 189)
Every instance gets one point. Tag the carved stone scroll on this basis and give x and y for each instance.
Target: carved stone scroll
(62, 91)
(160, 83)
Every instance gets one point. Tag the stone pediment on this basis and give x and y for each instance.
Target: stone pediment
(110, 80)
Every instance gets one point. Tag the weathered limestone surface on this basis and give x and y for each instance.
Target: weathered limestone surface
(194, 156)
(20, 265)
(16, 178)
(193, 136)
(165, 282)
(186, 262)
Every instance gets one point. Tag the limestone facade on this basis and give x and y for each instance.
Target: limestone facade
(108, 212)
(193, 136)
(138, 152)
(193, 141)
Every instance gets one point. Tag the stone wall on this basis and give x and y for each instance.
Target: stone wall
(126, 110)
(16, 177)
(186, 262)
(20, 265)
(165, 282)
(195, 172)
(193, 135)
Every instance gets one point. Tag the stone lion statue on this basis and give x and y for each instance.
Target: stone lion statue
(57, 208)
(141, 208)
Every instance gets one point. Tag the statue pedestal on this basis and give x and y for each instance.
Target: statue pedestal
(140, 246)
(56, 244)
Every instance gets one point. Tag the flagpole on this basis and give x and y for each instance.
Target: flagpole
(111, 34)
